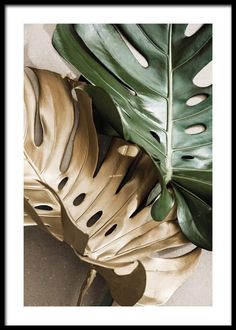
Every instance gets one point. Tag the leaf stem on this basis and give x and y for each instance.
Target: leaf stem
(169, 112)
(86, 285)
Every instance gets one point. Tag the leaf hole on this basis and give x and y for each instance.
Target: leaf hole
(38, 128)
(130, 172)
(79, 199)
(104, 144)
(139, 57)
(74, 95)
(69, 147)
(187, 157)
(128, 150)
(191, 29)
(94, 219)
(111, 230)
(131, 91)
(156, 136)
(196, 99)
(195, 129)
(157, 160)
(143, 203)
(62, 183)
(204, 77)
(43, 207)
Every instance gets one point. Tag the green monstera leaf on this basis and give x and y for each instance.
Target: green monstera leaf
(148, 102)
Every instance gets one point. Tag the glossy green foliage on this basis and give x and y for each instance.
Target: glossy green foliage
(146, 102)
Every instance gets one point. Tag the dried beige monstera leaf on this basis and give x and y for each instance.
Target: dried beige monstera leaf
(96, 209)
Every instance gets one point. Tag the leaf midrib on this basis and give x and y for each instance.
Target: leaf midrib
(169, 110)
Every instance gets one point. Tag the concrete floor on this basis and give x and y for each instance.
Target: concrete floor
(54, 274)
